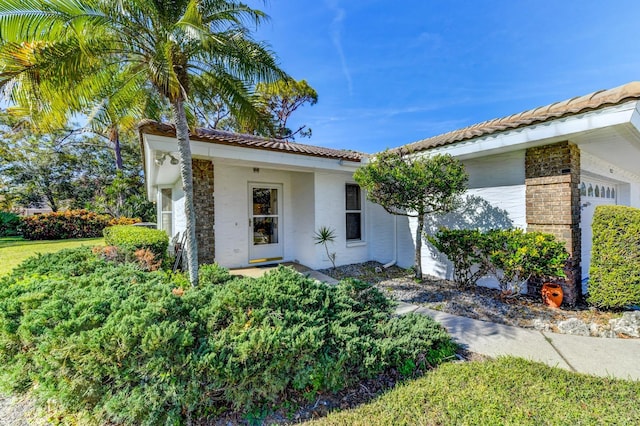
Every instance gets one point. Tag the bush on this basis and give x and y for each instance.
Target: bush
(67, 224)
(9, 223)
(465, 248)
(213, 274)
(123, 346)
(614, 275)
(511, 255)
(129, 239)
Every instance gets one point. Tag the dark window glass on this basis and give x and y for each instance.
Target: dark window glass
(354, 226)
(353, 197)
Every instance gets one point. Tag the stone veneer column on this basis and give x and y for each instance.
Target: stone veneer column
(552, 178)
(205, 209)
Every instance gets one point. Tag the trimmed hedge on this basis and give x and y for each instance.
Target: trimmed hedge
(614, 275)
(128, 239)
(118, 345)
(68, 224)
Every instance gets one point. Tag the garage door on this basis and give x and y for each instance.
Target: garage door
(593, 193)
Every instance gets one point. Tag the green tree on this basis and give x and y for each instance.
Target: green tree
(414, 186)
(158, 44)
(282, 98)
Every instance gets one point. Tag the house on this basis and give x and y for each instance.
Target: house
(260, 200)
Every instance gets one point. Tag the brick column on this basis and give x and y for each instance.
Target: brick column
(205, 209)
(552, 181)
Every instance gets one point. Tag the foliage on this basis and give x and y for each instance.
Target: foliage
(512, 255)
(14, 250)
(79, 46)
(615, 257)
(413, 186)
(214, 274)
(65, 225)
(129, 239)
(9, 223)
(324, 236)
(66, 169)
(130, 347)
(504, 391)
(466, 249)
(280, 100)
(517, 256)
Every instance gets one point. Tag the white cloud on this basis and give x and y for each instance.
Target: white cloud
(336, 37)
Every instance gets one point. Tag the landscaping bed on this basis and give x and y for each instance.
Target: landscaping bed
(486, 304)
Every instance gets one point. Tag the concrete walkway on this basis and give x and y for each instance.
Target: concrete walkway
(619, 358)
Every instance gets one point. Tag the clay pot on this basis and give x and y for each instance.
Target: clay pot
(552, 295)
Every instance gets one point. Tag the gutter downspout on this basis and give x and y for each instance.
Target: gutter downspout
(395, 244)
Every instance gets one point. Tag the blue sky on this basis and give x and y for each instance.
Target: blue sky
(390, 73)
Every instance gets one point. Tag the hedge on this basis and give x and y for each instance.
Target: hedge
(614, 275)
(128, 239)
(117, 345)
(68, 224)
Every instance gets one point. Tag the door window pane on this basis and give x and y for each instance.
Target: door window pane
(265, 201)
(265, 230)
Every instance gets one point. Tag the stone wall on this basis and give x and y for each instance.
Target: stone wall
(203, 200)
(552, 178)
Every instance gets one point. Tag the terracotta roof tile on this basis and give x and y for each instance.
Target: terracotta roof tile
(577, 105)
(249, 141)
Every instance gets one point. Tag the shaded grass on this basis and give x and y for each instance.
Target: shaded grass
(506, 391)
(14, 250)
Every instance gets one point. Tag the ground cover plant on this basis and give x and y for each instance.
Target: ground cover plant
(14, 250)
(506, 391)
(117, 344)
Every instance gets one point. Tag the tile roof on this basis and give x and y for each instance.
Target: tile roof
(577, 105)
(249, 141)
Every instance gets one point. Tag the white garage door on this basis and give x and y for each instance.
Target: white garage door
(593, 193)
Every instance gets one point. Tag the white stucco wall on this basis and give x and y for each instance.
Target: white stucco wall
(303, 217)
(495, 200)
(330, 211)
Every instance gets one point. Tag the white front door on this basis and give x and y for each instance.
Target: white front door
(593, 193)
(265, 223)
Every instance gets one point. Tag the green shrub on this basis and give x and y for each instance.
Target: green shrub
(516, 256)
(614, 275)
(68, 224)
(128, 239)
(123, 346)
(213, 274)
(465, 249)
(511, 255)
(9, 223)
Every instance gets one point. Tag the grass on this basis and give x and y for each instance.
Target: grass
(506, 391)
(14, 250)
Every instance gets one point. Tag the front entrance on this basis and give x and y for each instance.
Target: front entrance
(265, 223)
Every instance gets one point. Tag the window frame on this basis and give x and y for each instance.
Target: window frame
(162, 213)
(359, 211)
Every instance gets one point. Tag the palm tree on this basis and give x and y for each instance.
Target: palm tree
(161, 44)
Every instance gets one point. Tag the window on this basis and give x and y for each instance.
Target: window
(353, 204)
(166, 217)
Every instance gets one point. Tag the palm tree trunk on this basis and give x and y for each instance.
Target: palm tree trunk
(186, 172)
(418, 256)
(114, 138)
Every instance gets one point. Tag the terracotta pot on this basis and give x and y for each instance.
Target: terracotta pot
(552, 294)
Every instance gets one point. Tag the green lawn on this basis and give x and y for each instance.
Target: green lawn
(13, 250)
(507, 391)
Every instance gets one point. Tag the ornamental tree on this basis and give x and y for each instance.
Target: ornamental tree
(414, 186)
